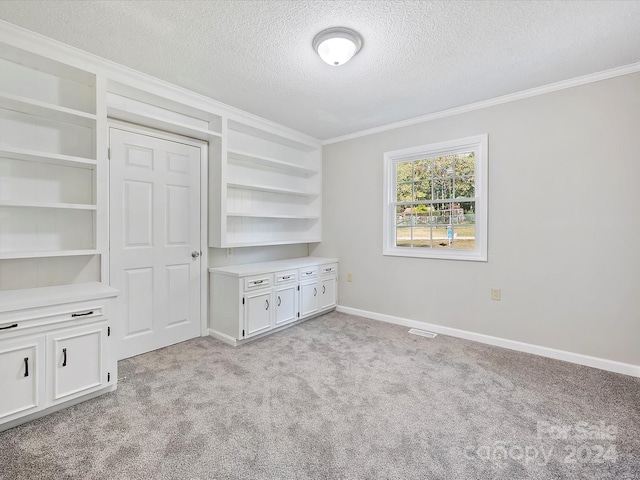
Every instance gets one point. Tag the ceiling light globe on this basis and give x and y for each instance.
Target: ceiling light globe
(336, 46)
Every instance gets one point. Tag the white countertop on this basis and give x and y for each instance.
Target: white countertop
(11, 300)
(273, 266)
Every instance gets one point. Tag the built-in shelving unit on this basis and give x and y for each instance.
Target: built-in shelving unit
(270, 189)
(48, 172)
(56, 108)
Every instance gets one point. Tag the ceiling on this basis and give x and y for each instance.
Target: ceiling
(418, 57)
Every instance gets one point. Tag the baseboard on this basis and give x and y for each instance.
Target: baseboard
(223, 337)
(601, 363)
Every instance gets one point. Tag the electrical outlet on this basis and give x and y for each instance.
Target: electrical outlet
(349, 277)
(229, 252)
(496, 294)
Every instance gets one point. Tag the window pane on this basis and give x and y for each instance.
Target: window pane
(443, 166)
(443, 188)
(469, 209)
(404, 193)
(464, 237)
(465, 186)
(465, 164)
(404, 172)
(421, 236)
(422, 190)
(405, 225)
(422, 169)
(439, 236)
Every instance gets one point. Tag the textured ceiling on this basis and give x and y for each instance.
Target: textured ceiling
(418, 57)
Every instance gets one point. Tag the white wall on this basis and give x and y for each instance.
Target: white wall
(218, 256)
(564, 224)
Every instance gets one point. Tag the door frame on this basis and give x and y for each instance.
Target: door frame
(204, 201)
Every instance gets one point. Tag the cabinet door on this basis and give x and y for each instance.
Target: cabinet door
(308, 298)
(77, 361)
(21, 377)
(257, 312)
(328, 293)
(286, 305)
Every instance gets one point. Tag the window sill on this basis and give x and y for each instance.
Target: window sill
(437, 254)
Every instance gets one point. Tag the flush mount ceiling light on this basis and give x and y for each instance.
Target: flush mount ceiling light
(336, 46)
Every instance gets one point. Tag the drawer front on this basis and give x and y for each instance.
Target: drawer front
(329, 269)
(286, 277)
(308, 272)
(258, 281)
(78, 313)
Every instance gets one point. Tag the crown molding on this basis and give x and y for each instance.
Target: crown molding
(512, 97)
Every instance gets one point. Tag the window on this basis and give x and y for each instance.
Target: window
(436, 200)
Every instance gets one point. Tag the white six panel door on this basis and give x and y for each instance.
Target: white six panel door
(155, 240)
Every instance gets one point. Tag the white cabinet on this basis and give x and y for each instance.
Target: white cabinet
(328, 286)
(54, 348)
(265, 189)
(21, 376)
(77, 361)
(249, 300)
(286, 305)
(257, 312)
(328, 291)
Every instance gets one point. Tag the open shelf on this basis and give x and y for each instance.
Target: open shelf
(61, 206)
(234, 155)
(267, 215)
(47, 110)
(270, 189)
(258, 243)
(44, 157)
(46, 254)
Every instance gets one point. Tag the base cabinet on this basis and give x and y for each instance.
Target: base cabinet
(254, 299)
(54, 349)
(309, 298)
(77, 361)
(328, 292)
(257, 312)
(21, 377)
(286, 305)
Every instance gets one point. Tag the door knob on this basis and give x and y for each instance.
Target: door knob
(195, 254)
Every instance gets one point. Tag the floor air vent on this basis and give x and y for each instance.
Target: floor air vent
(423, 333)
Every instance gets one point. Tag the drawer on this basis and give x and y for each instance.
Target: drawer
(329, 269)
(286, 277)
(258, 281)
(45, 317)
(308, 272)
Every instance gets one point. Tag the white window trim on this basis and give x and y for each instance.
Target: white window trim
(479, 144)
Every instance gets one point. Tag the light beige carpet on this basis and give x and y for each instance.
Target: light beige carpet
(340, 397)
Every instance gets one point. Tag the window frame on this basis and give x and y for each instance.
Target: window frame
(479, 145)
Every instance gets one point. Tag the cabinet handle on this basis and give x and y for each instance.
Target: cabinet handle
(267, 307)
(10, 326)
(64, 359)
(84, 314)
(258, 282)
(279, 300)
(26, 366)
(287, 277)
(315, 291)
(323, 289)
